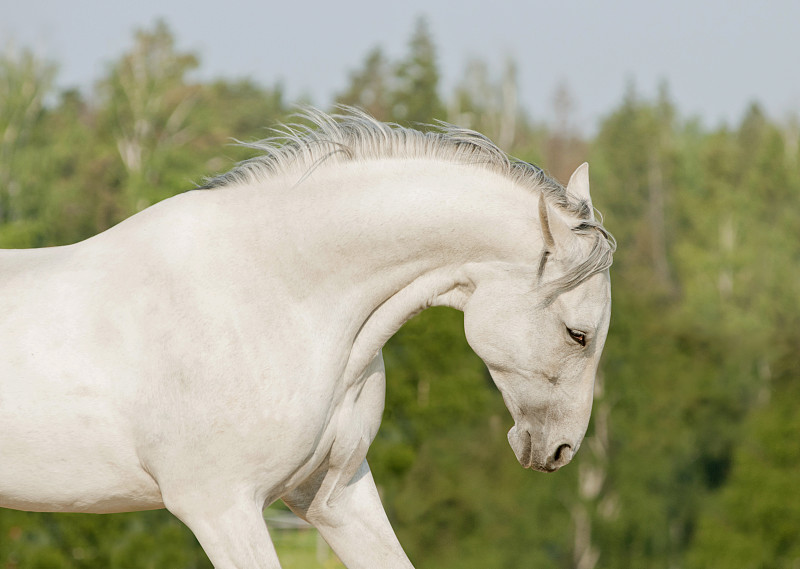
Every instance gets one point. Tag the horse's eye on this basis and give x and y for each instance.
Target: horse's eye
(578, 336)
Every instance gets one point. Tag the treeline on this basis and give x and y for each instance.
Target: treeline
(691, 460)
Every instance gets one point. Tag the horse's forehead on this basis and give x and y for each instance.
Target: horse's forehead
(591, 299)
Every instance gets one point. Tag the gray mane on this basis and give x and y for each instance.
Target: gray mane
(356, 136)
(353, 135)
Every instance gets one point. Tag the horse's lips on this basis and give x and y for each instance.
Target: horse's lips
(522, 446)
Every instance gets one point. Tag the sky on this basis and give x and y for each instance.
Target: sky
(716, 56)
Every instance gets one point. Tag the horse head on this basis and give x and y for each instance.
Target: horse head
(540, 330)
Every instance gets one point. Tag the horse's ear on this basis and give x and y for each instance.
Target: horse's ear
(578, 186)
(556, 232)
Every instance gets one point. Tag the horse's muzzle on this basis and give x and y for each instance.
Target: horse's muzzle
(534, 458)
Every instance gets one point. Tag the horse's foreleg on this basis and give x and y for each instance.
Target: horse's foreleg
(232, 532)
(351, 520)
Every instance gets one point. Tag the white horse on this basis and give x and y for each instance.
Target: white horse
(221, 349)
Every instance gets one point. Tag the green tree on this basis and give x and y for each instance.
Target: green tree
(82, 174)
(637, 154)
(235, 109)
(147, 102)
(488, 106)
(416, 92)
(754, 522)
(25, 81)
(369, 87)
(85, 541)
(639, 494)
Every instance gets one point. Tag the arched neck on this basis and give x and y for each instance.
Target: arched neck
(367, 246)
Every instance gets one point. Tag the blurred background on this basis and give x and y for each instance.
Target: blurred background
(689, 114)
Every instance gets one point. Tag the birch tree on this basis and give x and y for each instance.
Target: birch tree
(148, 101)
(487, 105)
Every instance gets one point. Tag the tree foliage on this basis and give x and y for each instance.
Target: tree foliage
(405, 91)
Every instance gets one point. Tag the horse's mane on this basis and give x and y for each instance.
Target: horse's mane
(356, 136)
(353, 135)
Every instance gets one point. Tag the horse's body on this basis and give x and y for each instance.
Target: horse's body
(221, 350)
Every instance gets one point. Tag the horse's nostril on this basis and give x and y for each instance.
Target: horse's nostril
(562, 455)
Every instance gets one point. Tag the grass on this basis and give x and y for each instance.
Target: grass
(304, 549)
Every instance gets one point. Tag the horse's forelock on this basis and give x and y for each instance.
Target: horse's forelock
(599, 259)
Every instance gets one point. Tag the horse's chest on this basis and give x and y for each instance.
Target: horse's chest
(348, 428)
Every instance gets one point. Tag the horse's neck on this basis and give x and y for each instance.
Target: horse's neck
(377, 219)
(376, 243)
